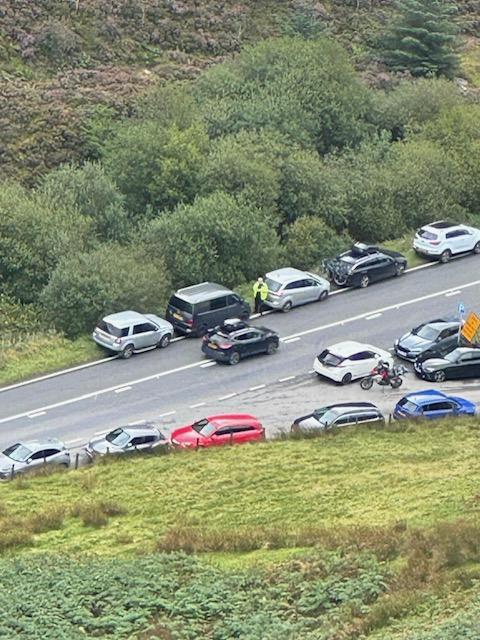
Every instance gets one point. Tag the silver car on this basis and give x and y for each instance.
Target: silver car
(129, 332)
(290, 287)
(127, 439)
(25, 456)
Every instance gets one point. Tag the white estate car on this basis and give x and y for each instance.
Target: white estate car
(349, 360)
(441, 240)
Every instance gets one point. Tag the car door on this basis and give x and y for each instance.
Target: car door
(219, 310)
(222, 436)
(384, 267)
(296, 291)
(362, 363)
(252, 342)
(312, 290)
(457, 240)
(244, 433)
(42, 456)
(437, 409)
(144, 335)
(469, 365)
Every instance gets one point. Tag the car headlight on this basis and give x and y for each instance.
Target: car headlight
(428, 369)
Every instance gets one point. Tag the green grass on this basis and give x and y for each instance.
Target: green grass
(276, 491)
(404, 246)
(470, 64)
(38, 354)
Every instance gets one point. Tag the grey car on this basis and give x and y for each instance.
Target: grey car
(127, 439)
(25, 456)
(436, 337)
(290, 287)
(343, 414)
(129, 332)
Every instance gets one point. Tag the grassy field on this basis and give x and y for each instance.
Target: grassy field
(271, 495)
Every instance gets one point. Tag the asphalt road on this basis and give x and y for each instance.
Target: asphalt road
(177, 385)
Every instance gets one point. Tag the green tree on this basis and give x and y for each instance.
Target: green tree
(111, 278)
(35, 234)
(217, 237)
(88, 191)
(310, 241)
(423, 38)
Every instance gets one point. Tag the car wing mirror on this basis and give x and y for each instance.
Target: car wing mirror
(28, 460)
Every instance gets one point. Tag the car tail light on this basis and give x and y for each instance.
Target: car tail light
(435, 242)
(189, 322)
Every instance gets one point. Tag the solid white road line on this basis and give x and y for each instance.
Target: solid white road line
(122, 389)
(198, 404)
(259, 386)
(37, 414)
(228, 396)
(286, 379)
(208, 364)
(399, 305)
(291, 340)
(375, 315)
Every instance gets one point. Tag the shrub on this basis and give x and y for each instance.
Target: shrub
(310, 241)
(47, 520)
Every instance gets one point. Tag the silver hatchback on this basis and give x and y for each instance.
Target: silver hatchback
(128, 332)
(25, 456)
(290, 287)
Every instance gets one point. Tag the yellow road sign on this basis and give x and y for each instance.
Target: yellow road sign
(471, 328)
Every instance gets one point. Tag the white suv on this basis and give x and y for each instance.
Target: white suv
(441, 240)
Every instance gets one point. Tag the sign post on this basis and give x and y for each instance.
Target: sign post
(461, 313)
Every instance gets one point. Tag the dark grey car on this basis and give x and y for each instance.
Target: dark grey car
(435, 337)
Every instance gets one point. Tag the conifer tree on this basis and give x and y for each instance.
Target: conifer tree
(423, 39)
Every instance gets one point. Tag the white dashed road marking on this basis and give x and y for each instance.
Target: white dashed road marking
(286, 379)
(229, 395)
(168, 413)
(260, 386)
(199, 404)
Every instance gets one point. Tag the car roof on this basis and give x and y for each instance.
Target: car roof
(348, 348)
(287, 274)
(442, 224)
(427, 395)
(225, 419)
(443, 324)
(124, 318)
(359, 407)
(202, 292)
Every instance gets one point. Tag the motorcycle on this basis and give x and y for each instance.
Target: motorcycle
(393, 378)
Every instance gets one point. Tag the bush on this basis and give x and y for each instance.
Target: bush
(310, 241)
(112, 278)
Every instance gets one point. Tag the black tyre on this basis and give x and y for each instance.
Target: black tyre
(396, 382)
(165, 341)
(287, 307)
(399, 270)
(366, 383)
(347, 378)
(476, 248)
(323, 296)
(446, 256)
(271, 348)
(340, 281)
(234, 358)
(127, 352)
(439, 376)
(365, 281)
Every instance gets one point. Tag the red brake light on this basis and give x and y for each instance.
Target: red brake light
(189, 322)
(225, 345)
(434, 242)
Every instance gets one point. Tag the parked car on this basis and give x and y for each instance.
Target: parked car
(235, 339)
(349, 360)
(219, 430)
(290, 287)
(127, 439)
(343, 414)
(432, 404)
(435, 337)
(196, 309)
(129, 332)
(25, 456)
(443, 239)
(462, 362)
(365, 264)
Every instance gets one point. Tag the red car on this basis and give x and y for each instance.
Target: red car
(217, 430)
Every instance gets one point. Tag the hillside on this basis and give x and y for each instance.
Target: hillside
(68, 66)
(370, 533)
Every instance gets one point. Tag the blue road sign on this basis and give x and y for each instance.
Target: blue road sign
(461, 308)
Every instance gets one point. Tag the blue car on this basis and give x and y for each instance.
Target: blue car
(432, 404)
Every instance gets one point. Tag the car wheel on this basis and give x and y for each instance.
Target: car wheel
(476, 248)
(165, 341)
(287, 307)
(271, 348)
(439, 376)
(347, 378)
(364, 281)
(323, 295)
(234, 358)
(127, 352)
(445, 257)
(400, 268)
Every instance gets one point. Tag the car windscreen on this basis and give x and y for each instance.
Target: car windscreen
(204, 428)
(328, 417)
(181, 304)
(427, 333)
(330, 359)
(111, 329)
(273, 285)
(408, 405)
(17, 452)
(118, 437)
(426, 235)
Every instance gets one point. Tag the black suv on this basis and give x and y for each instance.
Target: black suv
(364, 264)
(235, 339)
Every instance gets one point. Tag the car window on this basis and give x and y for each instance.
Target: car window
(180, 304)
(273, 285)
(345, 420)
(112, 330)
(368, 417)
(141, 328)
(361, 355)
(470, 357)
(427, 235)
(437, 406)
(312, 283)
(218, 303)
(244, 336)
(233, 299)
(297, 284)
(408, 405)
(243, 428)
(452, 234)
(202, 307)
(330, 359)
(224, 431)
(137, 441)
(44, 453)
